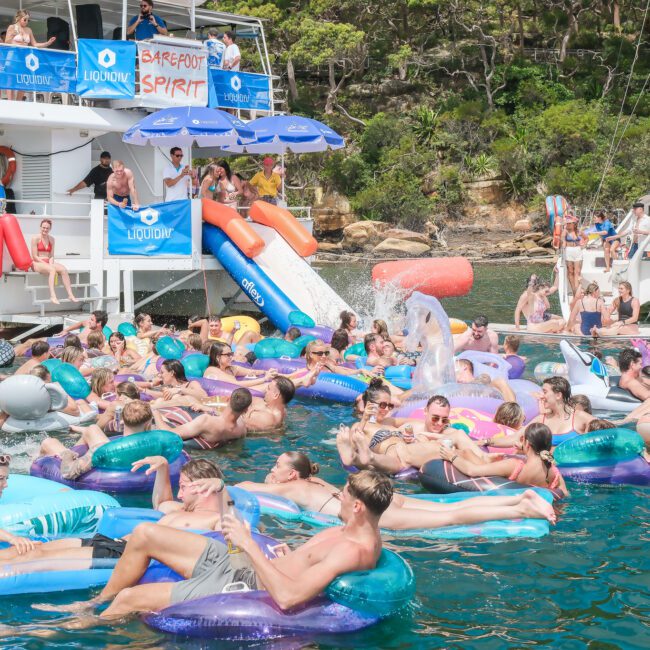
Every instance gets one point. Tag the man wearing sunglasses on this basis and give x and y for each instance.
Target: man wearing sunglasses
(430, 434)
(176, 177)
(477, 337)
(146, 24)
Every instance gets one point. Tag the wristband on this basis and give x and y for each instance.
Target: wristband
(453, 458)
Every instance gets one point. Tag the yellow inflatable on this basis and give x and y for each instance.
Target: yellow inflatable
(247, 324)
(457, 326)
(141, 346)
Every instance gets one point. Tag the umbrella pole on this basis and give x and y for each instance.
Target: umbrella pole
(284, 173)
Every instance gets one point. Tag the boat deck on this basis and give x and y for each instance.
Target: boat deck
(509, 328)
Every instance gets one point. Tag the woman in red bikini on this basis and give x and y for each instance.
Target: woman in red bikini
(536, 469)
(43, 261)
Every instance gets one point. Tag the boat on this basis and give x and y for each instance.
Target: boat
(56, 137)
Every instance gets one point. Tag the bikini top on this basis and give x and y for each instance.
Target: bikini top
(555, 481)
(41, 248)
(21, 38)
(559, 438)
(572, 238)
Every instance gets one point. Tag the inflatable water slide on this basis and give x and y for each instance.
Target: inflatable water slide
(266, 258)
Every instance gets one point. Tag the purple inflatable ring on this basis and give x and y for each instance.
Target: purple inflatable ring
(215, 387)
(627, 472)
(284, 366)
(103, 480)
(406, 474)
(321, 332)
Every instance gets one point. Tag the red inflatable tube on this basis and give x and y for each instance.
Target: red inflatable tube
(237, 228)
(286, 224)
(13, 237)
(2, 247)
(441, 277)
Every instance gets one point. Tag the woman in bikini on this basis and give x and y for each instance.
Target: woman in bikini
(293, 477)
(125, 356)
(534, 305)
(229, 186)
(591, 310)
(536, 469)
(171, 382)
(43, 261)
(210, 183)
(318, 358)
(221, 368)
(574, 243)
(627, 309)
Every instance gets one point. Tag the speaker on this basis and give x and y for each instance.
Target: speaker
(117, 34)
(89, 21)
(60, 29)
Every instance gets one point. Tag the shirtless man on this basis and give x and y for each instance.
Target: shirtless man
(269, 412)
(292, 578)
(120, 187)
(631, 363)
(373, 344)
(209, 431)
(40, 352)
(197, 508)
(429, 435)
(293, 477)
(95, 323)
(478, 337)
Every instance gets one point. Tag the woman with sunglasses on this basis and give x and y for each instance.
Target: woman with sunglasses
(172, 381)
(220, 367)
(317, 358)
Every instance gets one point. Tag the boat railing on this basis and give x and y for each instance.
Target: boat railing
(635, 268)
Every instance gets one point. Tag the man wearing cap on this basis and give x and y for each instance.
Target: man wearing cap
(639, 228)
(267, 182)
(96, 177)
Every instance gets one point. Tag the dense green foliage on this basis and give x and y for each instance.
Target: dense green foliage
(548, 95)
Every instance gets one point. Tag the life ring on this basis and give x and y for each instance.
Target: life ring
(9, 154)
(557, 232)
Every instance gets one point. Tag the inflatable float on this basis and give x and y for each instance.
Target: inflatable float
(288, 510)
(7, 354)
(33, 405)
(35, 507)
(588, 376)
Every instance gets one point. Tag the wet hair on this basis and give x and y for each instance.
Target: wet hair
(340, 339)
(560, 385)
(240, 400)
(214, 318)
(368, 340)
(176, 368)
(140, 318)
(466, 363)
(96, 340)
(136, 413)
(99, 379)
(195, 342)
(440, 400)
(41, 372)
(509, 414)
(375, 389)
(600, 425)
(373, 489)
(592, 287)
(71, 354)
(39, 348)
(116, 335)
(301, 463)
(627, 357)
(100, 316)
(582, 401)
(346, 318)
(480, 321)
(292, 333)
(381, 327)
(540, 439)
(199, 468)
(286, 388)
(216, 350)
(513, 342)
(72, 341)
(128, 389)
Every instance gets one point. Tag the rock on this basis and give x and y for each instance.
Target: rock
(528, 244)
(407, 235)
(329, 247)
(536, 251)
(401, 247)
(533, 236)
(523, 225)
(490, 192)
(363, 234)
(545, 242)
(327, 220)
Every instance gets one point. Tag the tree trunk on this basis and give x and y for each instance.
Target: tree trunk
(487, 76)
(567, 35)
(616, 15)
(291, 80)
(520, 25)
(331, 93)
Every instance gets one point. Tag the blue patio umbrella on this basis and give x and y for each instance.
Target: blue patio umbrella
(184, 126)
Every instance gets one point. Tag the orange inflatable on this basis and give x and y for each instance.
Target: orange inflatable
(237, 228)
(441, 277)
(2, 247)
(11, 165)
(286, 224)
(13, 238)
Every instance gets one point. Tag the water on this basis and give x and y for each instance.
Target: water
(587, 584)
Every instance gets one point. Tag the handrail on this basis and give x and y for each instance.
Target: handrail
(634, 267)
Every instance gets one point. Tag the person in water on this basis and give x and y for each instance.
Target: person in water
(630, 361)
(536, 469)
(196, 508)
(592, 312)
(294, 477)
(627, 309)
(269, 413)
(477, 337)
(292, 578)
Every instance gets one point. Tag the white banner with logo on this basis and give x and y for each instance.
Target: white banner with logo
(173, 76)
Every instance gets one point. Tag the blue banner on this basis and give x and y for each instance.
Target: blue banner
(157, 229)
(106, 69)
(230, 89)
(29, 68)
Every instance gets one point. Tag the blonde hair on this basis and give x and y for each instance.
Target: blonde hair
(592, 287)
(118, 163)
(316, 343)
(381, 327)
(20, 14)
(99, 379)
(509, 414)
(71, 354)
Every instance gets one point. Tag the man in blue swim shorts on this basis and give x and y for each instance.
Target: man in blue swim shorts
(120, 187)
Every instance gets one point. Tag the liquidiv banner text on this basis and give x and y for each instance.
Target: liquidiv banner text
(157, 229)
(172, 75)
(230, 89)
(106, 69)
(31, 69)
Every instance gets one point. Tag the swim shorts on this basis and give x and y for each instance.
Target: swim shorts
(105, 548)
(212, 573)
(120, 198)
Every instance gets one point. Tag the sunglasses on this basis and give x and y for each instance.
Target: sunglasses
(178, 155)
(5, 459)
(439, 418)
(322, 353)
(385, 405)
(227, 354)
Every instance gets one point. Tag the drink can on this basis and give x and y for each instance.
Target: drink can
(408, 433)
(447, 442)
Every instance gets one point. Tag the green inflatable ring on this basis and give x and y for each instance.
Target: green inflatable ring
(120, 454)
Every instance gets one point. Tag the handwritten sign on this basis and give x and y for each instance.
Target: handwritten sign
(173, 76)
